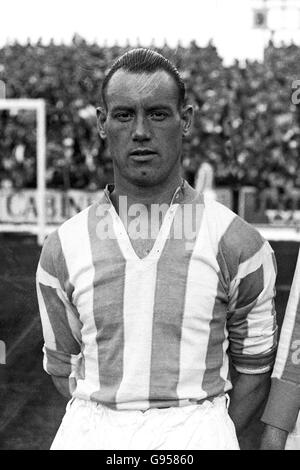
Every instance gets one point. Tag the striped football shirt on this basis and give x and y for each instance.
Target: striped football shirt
(134, 333)
(284, 400)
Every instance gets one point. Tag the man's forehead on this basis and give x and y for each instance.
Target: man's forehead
(126, 86)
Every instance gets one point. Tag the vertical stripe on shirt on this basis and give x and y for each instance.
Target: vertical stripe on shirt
(140, 281)
(169, 308)
(75, 242)
(248, 290)
(55, 264)
(259, 324)
(108, 297)
(211, 353)
(60, 325)
(48, 332)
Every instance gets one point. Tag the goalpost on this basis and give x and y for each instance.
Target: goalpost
(37, 105)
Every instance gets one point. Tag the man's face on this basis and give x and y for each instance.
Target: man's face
(144, 126)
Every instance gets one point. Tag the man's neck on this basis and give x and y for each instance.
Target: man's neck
(146, 195)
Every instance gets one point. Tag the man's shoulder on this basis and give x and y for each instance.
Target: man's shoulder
(76, 220)
(228, 220)
(235, 235)
(68, 229)
(65, 241)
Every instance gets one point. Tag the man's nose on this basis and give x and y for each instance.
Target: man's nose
(141, 129)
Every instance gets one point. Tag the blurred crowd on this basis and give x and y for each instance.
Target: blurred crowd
(246, 125)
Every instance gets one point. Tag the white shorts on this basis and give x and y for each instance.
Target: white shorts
(91, 426)
(293, 440)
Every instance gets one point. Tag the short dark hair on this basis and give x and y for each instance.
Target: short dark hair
(144, 60)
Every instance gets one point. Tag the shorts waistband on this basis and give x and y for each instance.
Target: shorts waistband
(220, 400)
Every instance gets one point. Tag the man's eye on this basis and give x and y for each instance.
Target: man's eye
(123, 117)
(158, 115)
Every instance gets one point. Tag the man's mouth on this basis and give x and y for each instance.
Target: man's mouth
(142, 154)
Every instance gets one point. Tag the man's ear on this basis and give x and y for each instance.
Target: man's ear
(187, 114)
(101, 120)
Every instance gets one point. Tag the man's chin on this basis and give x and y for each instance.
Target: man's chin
(147, 180)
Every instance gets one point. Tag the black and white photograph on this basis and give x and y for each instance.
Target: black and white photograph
(150, 227)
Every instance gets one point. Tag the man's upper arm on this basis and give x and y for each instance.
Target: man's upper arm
(60, 321)
(251, 324)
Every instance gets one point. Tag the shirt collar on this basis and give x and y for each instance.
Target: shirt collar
(178, 196)
(108, 190)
